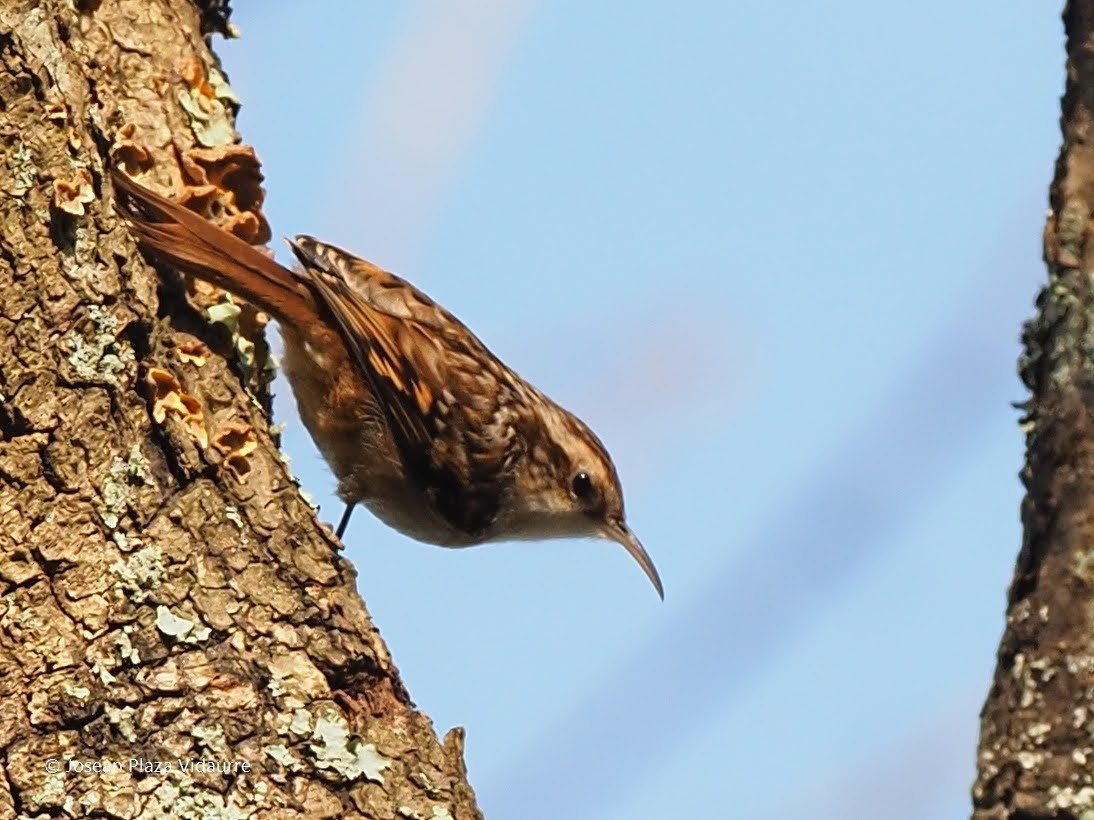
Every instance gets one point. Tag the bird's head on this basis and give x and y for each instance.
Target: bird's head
(569, 488)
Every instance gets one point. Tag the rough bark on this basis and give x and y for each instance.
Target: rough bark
(165, 593)
(1036, 755)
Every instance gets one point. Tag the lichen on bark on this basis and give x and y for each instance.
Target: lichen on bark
(1036, 752)
(165, 593)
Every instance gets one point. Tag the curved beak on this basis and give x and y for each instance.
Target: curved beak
(617, 531)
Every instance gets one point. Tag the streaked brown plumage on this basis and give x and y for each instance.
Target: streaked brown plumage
(417, 419)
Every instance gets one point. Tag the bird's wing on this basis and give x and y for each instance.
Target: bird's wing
(447, 400)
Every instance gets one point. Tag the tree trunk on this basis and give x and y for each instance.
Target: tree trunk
(1036, 755)
(166, 596)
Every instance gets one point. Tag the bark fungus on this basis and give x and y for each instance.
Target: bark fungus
(166, 596)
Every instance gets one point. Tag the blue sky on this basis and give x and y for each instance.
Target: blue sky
(778, 256)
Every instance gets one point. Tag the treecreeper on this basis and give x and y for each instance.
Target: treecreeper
(418, 420)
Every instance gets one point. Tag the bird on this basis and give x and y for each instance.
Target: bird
(417, 419)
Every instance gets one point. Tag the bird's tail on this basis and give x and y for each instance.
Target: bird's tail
(189, 243)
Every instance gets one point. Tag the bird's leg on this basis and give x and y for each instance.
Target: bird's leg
(344, 522)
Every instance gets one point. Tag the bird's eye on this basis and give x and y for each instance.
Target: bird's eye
(582, 486)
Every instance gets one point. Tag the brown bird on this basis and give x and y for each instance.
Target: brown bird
(417, 419)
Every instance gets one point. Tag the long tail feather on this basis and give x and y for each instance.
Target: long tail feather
(188, 242)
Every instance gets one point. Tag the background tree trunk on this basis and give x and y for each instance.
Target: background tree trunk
(165, 594)
(1036, 756)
